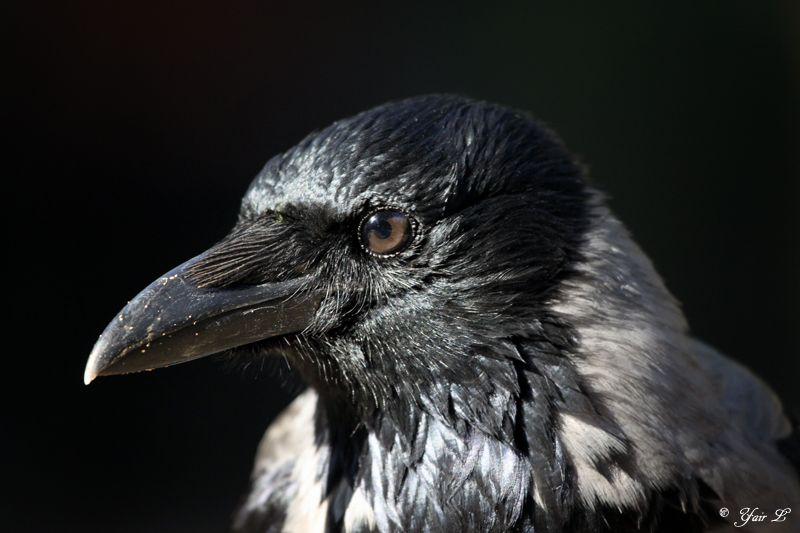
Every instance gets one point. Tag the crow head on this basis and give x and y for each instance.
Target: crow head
(390, 258)
(487, 347)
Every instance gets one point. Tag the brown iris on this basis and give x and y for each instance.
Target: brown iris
(386, 232)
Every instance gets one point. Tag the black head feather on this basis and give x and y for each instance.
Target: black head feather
(500, 208)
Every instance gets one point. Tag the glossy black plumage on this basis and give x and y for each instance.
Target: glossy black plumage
(477, 177)
(445, 373)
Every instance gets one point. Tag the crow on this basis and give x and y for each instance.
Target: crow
(485, 348)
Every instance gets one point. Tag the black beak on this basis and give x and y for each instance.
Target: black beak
(173, 321)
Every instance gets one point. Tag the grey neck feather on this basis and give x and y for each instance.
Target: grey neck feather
(669, 394)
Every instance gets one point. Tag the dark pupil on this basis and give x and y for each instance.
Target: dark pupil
(379, 224)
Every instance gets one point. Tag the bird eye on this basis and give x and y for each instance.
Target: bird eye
(386, 232)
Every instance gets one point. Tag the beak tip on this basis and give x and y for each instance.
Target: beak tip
(92, 371)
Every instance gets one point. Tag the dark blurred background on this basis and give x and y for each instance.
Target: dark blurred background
(133, 130)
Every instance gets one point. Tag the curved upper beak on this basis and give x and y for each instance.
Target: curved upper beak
(173, 321)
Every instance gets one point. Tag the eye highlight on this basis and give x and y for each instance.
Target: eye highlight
(386, 232)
